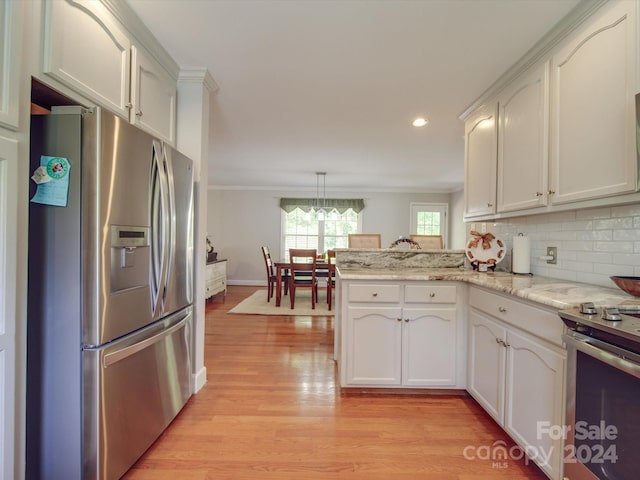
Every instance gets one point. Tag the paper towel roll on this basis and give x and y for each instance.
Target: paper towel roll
(521, 256)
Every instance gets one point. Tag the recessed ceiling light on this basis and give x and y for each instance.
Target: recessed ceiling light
(419, 122)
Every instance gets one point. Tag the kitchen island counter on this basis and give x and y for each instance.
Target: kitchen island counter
(552, 292)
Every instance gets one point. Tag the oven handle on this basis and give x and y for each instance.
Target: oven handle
(617, 357)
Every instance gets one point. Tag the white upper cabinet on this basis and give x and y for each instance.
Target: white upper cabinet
(10, 21)
(523, 142)
(153, 97)
(86, 49)
(593, 152)
(480, 134)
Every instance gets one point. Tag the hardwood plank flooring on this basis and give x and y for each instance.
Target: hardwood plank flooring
(271, 411)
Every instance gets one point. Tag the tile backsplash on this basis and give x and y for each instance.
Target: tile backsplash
(593, 244)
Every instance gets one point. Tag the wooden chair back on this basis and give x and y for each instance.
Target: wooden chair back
(365, 240)
(268, 262)
(302, 271)
(428, 242)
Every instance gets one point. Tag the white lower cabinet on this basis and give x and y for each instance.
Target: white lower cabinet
(517, 374)
(400, 335)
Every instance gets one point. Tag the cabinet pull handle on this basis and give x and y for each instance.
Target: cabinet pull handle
(139, 113)
(399, 319)
(502, 310)
(506, 344)
(129, 105)
(374, 294)
(489, 204)
(432, 295)
(498, 340)
(407, 320)
(502, 342)
(539, 194)
(550, 192)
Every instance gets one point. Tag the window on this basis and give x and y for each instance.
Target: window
(305, 230)
(429, 219)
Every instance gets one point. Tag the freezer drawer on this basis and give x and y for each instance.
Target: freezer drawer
(133, 389)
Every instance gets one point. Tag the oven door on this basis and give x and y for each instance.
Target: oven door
(602, 414)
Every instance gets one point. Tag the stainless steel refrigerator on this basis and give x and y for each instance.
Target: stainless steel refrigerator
(110, 294)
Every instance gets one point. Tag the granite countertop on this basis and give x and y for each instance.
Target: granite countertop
(560, 294)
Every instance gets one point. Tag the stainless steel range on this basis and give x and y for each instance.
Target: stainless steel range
(602, 428)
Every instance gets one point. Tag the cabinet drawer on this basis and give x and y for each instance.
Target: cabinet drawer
(539, 322)
(374, 293)
(430, 293)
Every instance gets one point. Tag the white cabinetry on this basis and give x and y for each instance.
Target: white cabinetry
(10, 22)
(87, 49)
(593, 125)
(153, 96)
(400, 335)
(566, 126)
(516, 368)
(9, 414)
(480, 160)
(216, 278)
(523, 142)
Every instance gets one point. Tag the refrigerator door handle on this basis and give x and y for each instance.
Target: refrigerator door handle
(111, 358)
(170, 217)
(159, 212)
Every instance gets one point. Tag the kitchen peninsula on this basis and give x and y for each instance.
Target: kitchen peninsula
(421, 321)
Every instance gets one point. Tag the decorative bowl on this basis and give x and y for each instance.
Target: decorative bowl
(631, 285)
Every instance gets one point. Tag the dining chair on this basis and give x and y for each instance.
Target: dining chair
(365, 240)
(302, 273)
(428, 242)
(331, 276)
(271, 274)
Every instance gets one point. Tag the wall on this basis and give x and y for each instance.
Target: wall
(593, 244)
(457, 227)
(240, 221)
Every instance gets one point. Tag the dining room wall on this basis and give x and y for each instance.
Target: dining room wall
(240, 221)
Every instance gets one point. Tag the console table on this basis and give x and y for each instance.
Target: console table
(216, 278)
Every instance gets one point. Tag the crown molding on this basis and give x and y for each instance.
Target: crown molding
(199, 75)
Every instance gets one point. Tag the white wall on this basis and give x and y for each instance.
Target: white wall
(457, 227)
(240, 221)
(593, 244)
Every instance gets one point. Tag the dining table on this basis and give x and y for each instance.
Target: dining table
(322, 270)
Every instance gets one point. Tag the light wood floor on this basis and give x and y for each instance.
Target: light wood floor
(271, 411)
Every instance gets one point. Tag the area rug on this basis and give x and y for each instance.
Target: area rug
(257, 304)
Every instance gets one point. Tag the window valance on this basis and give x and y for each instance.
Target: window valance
(308, 204)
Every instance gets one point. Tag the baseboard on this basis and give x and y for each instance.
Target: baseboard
(247, 283)
(199, 379)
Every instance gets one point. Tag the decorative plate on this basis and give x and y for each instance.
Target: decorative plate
(485, 248)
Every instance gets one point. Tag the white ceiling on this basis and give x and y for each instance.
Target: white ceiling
(330, 85)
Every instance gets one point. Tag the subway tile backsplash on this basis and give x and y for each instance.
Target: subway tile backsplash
(593, 244)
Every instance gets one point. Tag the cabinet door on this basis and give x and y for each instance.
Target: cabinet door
(480, 161)
(534, 394)
(593, 125)
(523, 142)
(153, 97)
(486, 369)
(10, 22)
(8, 247)
(86, 49)
(373, 345)
(429, 347)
